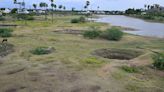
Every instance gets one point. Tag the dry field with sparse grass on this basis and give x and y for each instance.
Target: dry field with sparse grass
(72, 66)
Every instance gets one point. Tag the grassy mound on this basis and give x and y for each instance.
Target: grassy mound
(159, 61)
(42, 50)
(79, 20)
(92, 33)
(130, 69)
(121, 54)
(114, 34)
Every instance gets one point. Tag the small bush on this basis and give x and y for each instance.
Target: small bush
(93, 33)
(1, 18)
(24, 17)
(74, 21)
(112, 34)
(158, 61)
(82, 19)
(5, 32)
(78, 20)
(41, 51)
(130, 69)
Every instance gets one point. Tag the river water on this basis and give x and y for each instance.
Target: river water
(141, 27)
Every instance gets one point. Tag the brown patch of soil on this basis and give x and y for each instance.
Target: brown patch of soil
(69, 31)
(120, 54)
(93, 88)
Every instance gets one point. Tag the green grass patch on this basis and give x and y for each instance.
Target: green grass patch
(158, 61)
(92, 61)
(6, 32)
(41, 50)
(78, 20)
(130, 69)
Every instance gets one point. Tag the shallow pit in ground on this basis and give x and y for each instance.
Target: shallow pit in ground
(69, 31)
(120, 54)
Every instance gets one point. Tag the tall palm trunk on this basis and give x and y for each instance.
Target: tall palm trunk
(52, 12)
(45, 14)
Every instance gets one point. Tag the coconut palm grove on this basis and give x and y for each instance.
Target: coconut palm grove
(81, 46)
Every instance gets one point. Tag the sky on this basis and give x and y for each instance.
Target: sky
(79, 4)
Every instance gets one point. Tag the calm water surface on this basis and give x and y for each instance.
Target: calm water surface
(142, 27)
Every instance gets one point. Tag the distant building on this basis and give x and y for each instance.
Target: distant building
(85, 12)
(6, 10)
(40, 11)
(23, 11)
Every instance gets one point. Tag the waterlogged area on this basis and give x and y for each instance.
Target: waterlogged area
(142, 27)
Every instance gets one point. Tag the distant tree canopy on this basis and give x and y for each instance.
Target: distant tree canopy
(14, 10)
(133, 11)
(2, 8)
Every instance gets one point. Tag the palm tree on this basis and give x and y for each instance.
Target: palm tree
(98, 7)
(157, 7)
(87, 3)
(15, 1)
(64, 8)
(145, 6)
(73, 8)
(152, 7)
(60, 6)
(85, 7)
(148, 7)
(35, 6)
(20, 4)
(52, 6)
(44, 5)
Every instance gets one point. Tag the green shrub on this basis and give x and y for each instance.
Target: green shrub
(5, 32)
(112, 34)
(29, 18)
(1, 18)
(158, 61)
(14, 10)
(40, 51)
(82, 19)
(93, 33)
(130, 69)
(24, 17)
(78, 20)
(74, 21)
